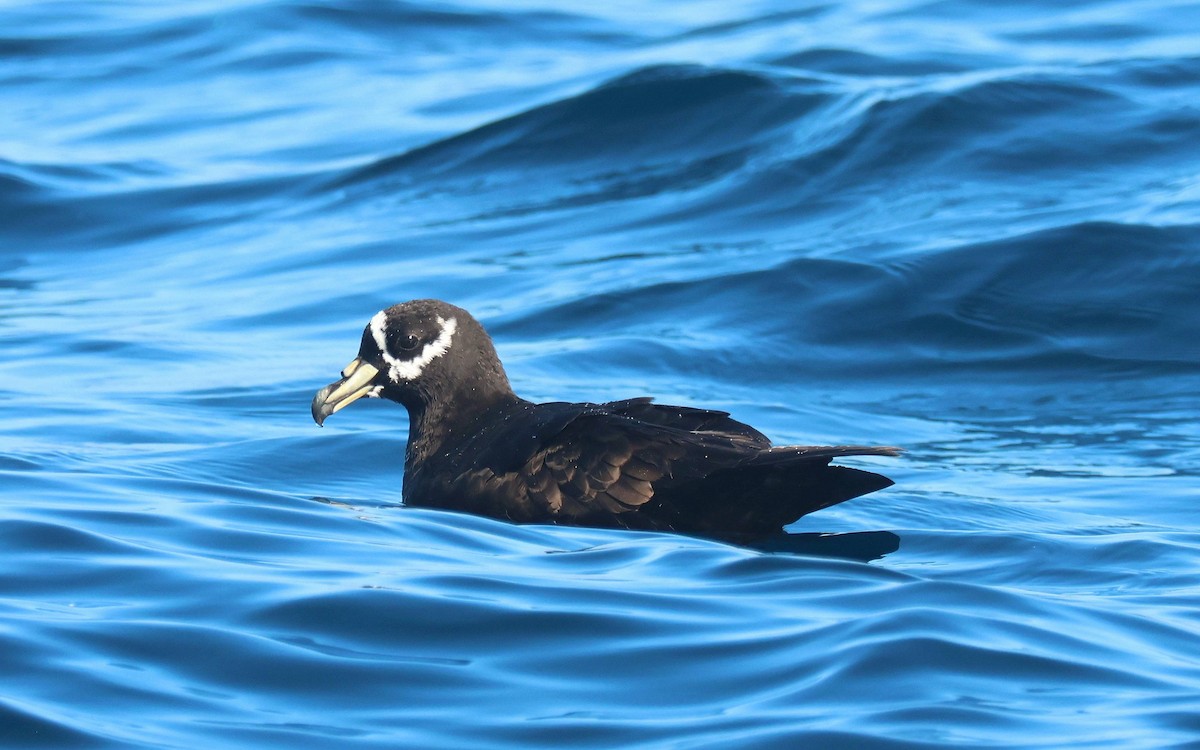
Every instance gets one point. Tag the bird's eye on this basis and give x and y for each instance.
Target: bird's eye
(408, 343)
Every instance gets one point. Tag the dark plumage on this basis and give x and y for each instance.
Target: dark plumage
(475, 446)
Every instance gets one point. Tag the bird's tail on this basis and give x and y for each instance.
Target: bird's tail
(780, 485)
(817, 453)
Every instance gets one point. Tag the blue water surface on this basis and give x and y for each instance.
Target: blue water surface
(971, 229)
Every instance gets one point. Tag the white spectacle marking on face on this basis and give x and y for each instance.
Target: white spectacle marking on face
(379, 332)
(411, 369)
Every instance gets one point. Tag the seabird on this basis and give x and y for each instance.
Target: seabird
(475, 446)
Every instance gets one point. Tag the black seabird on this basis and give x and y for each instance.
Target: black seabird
(475, 446)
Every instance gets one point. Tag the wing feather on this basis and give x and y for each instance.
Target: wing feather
(604, 464)
(637, 465)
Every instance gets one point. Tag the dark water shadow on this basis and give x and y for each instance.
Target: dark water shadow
(863, 546)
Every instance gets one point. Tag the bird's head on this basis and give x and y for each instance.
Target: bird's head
(417, 353)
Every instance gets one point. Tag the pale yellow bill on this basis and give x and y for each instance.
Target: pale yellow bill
(356, 382)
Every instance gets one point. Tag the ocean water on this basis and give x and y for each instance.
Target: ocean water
(971, 229)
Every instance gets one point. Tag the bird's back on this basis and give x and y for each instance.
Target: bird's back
(634, 464)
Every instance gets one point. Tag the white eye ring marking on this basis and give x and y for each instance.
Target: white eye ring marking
(411, 369)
